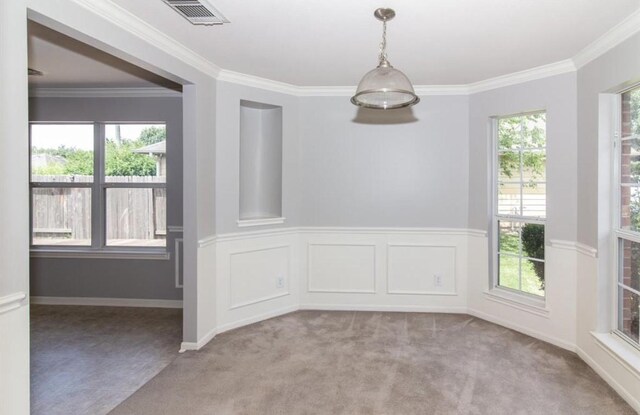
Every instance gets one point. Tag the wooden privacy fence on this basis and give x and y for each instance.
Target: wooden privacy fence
(131, 213)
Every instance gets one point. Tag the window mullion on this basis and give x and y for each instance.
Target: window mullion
(495, 157)
(30, 189)
(97, 199)
(630, 289)
(521, 157)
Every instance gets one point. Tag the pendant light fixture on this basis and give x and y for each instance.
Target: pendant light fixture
(385, 87)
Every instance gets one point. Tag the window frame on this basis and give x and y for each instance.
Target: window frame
(98, 247)
(495, 217)
(618, 234)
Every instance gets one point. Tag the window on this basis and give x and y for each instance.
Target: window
(627, 228)
(520, 202)
(97, 185)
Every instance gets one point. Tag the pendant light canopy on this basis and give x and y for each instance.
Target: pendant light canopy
(385, 87)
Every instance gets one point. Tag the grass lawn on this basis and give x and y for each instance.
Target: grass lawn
(508, 273)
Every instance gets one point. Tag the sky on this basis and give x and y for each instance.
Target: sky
(79, 136)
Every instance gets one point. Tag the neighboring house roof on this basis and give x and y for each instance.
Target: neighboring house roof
(156, 148)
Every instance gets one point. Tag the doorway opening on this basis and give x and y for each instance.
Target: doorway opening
(105, 224)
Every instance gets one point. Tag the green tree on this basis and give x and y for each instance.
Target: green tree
(122, 161)
(79, 162)
(522, 132)
(152, 135)
(533, 246)
(73, 162)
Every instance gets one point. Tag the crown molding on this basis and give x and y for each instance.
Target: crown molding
(102, 92)
(133, 24)
(326, 91)
(348, 91)
(257, 82)
(424, 90)
(539, 72)
(612, 38)
(532, 74)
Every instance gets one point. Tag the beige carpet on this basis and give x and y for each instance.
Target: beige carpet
(375, 363)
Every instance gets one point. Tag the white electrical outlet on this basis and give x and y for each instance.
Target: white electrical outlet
(280, 282)
(437, 280)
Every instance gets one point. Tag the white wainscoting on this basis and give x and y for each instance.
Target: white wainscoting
(421, 269)
(384, 269)
(341, 268)
(553, 321)
(256, 277)
(266, 273)
(606, 361)
(259, 275)
(14, 354)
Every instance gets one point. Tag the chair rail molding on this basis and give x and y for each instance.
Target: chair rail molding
(574, 246)
(207, 241)
(12, 301)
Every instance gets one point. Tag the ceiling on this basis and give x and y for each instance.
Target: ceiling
(67, 62)
(333, 43)
(435, 42)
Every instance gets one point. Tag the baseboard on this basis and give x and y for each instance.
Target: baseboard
(184, 346)
(626, 395)
(533, 333)
(107, 302)
(256, 319)
(382, 308)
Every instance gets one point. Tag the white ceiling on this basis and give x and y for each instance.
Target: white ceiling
(333, 43)
(435, 42)
(66, 62)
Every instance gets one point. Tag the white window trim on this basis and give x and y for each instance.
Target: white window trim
(622, 351)
(98, 248)
(517, 298)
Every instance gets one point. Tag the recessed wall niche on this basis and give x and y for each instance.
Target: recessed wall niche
(260, 163)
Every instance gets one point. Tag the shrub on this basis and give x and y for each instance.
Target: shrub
(533, 245)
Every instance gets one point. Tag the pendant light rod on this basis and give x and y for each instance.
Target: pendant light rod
(383, 45)
(384, 15)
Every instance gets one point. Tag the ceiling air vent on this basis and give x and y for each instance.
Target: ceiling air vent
(199, 12)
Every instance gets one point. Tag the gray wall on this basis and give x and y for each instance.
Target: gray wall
(110, 277)
(228, 154)
(342, 166)
(557, 96)
(606, 74)
(396, 168)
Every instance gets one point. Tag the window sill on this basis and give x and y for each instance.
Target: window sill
(518, 301)
(100, 254)
(618, 348)
(244, 223)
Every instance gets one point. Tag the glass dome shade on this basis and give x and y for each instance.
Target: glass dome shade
(385, 88)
